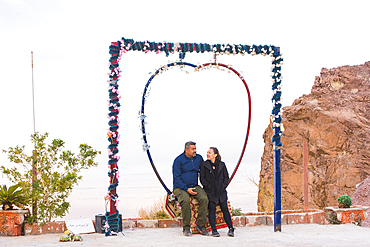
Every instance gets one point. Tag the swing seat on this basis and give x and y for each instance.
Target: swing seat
(220, 222)
(174, 211)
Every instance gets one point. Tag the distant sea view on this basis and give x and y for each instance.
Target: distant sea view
(141, 188)
(137, 190)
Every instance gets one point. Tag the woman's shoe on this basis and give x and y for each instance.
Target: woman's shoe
(231, 232)
(215, 233)
(186, 232)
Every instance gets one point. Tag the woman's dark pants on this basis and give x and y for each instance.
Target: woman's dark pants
(212, 214)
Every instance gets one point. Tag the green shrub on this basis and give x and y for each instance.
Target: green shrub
(236, 211)
(58, 171)
(162, 215)
(345, 200)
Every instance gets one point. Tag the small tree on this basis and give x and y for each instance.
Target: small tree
(57, 172)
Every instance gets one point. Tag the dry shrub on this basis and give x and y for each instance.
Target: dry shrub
(156, 211)
(266, 196)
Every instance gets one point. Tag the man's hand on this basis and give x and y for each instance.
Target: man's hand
(191, 192)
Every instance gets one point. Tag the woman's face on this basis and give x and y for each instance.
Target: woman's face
(211, 155)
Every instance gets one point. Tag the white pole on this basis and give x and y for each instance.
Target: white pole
(33, 96)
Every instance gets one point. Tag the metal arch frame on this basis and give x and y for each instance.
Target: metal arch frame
(116, 49)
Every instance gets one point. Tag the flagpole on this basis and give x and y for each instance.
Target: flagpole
(33, 96)
(34, 153)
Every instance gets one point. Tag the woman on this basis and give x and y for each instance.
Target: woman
(214, 178)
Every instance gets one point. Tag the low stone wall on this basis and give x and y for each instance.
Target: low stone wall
(288, 217)
(51, 227)
(161, 223)
(303, 217)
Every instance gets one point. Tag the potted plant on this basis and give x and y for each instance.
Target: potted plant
(344, 201)
(11, 219)
(345, 212)
(47, 177)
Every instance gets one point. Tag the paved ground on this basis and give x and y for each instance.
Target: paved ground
(291, 235)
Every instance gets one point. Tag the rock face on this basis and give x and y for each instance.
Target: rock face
(335, 121)
(362, 197)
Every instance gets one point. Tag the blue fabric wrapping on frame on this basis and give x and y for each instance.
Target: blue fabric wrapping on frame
(113, 222)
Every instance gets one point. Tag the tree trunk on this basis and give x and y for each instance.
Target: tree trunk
(34, 177)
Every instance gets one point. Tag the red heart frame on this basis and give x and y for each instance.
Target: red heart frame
(142, 116)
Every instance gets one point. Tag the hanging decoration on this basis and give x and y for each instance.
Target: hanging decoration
(276, 114)
(112, 216)
(218, 49)
(117, 49)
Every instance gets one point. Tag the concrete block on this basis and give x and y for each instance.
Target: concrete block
(51, 227)
(256, 220)
(269, 220)
(147, 224)
(238, 221)
(165, 223)
(129, 223)
(54, 227)
(32, 229)
(297, 218)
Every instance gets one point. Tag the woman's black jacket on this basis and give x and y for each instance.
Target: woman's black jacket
(214, 181)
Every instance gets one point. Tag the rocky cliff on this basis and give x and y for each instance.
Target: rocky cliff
(362, 197)
(335, 120)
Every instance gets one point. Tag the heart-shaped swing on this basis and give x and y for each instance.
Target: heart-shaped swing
(142, 115)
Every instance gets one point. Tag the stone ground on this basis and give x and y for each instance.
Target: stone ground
(291, 235)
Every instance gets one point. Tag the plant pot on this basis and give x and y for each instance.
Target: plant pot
(348, 215)
(11, 222)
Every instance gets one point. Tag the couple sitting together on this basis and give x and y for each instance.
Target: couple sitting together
(214, 178)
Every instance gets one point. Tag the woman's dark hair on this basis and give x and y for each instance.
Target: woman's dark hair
(215, 151)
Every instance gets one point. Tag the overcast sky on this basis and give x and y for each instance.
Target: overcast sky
(70, 41)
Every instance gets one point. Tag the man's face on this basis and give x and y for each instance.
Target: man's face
(191, 152)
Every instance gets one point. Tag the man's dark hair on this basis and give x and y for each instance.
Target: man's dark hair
(188, 144)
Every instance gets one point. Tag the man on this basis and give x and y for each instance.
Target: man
(185, 171)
